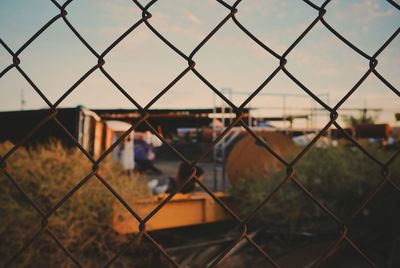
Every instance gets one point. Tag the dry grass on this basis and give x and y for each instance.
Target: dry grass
(83, 223)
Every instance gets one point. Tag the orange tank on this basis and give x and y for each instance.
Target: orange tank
(248, 159)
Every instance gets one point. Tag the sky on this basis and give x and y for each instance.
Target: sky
(231, 61)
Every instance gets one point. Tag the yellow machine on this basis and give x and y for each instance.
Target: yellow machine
(182, 210)
(246, 157)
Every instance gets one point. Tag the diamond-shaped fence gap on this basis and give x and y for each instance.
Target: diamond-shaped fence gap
(290, 211)
(282, 104)
(83, 223)
(107, 95)
(380, 242)
(288, 223)
(275, 23)
(365, 16)
(285, 249)
(320, 61)
(191, 130)
(160, 174)
(361, 111)
(242, 153)
(11, 23)
(230, 59)
(341, 177)
(19, 93)
(186, 24)
(197, 245)
(15, 211)
(388, 57)
(189, 91)
(99, 130)
(136, 72)
(62, 56)
(101, 23)
(114, 133)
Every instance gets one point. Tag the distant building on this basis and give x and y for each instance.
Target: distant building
(96, 130)
(83, 125)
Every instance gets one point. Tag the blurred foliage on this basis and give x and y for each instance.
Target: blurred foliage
(82, 224)
(341, 177)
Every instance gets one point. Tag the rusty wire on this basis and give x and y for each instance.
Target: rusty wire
(291, 177)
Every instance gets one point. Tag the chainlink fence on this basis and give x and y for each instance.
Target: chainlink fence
(231, 10)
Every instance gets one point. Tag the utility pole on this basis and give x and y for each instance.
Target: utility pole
(22, 99)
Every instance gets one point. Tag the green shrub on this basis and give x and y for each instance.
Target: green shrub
(82, 224)
(341, 177)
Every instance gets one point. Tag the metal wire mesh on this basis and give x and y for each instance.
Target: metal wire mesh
(238, 110)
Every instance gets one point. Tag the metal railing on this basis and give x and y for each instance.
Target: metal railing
(281, 61)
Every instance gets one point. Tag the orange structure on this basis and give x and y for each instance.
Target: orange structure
(249, 159)
(182, 210)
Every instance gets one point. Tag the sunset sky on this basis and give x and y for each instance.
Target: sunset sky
(144, 65)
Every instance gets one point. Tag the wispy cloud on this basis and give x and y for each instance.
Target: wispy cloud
(193, 18)
(367, 11)
(363, 13)
(144, 65)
